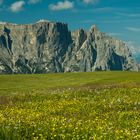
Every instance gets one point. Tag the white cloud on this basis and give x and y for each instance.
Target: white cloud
(61, 5)
(17, 6)
(133, 29)
(90, 1)
(1, 2)
(34, 1)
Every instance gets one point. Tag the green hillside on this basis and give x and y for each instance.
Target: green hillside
(96, 106)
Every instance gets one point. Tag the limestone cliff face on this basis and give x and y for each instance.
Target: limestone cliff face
(46, 47)
(94, 51)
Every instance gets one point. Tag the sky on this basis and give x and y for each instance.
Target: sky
(118, 18)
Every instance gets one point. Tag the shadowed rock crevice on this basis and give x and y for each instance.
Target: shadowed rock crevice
(5, 39)
(46, 47)
(9, 40)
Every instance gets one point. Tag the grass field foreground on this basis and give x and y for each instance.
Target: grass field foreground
(96, 106)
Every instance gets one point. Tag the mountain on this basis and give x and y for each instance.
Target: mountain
(45, 47)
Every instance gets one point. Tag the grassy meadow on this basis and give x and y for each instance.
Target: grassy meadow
(70, 106)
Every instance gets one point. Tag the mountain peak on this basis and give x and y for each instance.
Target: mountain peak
(53, 48)
(94, 28)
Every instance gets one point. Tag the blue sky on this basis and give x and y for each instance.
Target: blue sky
(119, 18)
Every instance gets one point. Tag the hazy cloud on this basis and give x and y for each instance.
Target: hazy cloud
(133, 15)
(34, 1)
(90, 1)
(1, 1)
(134, 49)
(104, 9)
(115, 34)
(61, 5)
(17, 6)
(133, 29)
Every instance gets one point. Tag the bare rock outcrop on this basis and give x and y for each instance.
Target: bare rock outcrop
(46, 47)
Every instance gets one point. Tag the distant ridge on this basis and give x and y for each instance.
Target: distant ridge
(46, 46)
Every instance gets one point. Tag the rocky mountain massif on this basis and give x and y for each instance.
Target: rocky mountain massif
(46, 47)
